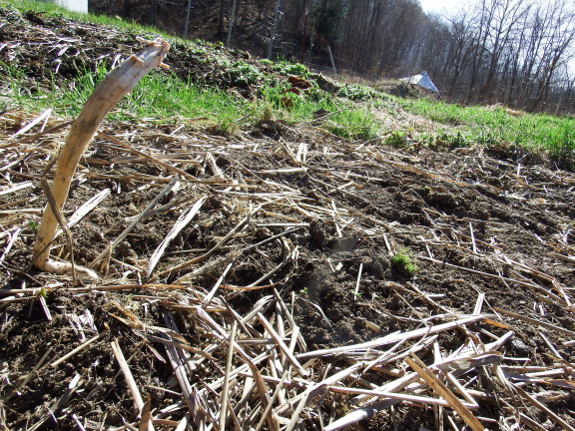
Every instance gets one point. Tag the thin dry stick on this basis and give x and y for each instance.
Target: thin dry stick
(504, 279)
(179, 172)
(534, 321)
(184, 219)
(145, 424)
(226, 386)
(268, 409)
(127, 374)
(357, 283)
(543, 408)
(395, 395)
(11, 242)
(392, 338)
(42, 116)
(64, 225)
(289, 355)
(132, 225)
(84, 209)
(45, 308)
(360, 414)
(115, 86)
(204, 256)
(438, 386)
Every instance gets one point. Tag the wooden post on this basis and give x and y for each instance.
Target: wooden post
(332, 60)
(187, 19)
(273, 35)
(303, 37)
(232, 19)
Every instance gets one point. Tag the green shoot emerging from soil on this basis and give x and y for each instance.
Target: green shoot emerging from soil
(403, 262)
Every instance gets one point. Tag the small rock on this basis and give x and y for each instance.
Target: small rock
(519, 346)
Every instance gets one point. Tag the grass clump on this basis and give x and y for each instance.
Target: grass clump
(403, 262)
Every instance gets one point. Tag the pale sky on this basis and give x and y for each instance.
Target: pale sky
(438, 5)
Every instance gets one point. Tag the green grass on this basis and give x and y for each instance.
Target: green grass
(494, 125)
(164, 97)
(344, 119)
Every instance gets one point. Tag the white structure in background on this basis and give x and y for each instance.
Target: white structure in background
(422, 80)
(73, 5)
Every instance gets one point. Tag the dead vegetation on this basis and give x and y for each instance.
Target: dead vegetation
(247, 282)
(234, 315)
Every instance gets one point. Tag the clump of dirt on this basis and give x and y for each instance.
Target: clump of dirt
(295, 233)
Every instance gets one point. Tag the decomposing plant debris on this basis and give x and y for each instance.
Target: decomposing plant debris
(247, 282)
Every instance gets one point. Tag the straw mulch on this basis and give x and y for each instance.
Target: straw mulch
(279, 277)
(249, 282)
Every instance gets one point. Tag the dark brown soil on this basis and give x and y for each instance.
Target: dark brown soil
(473, 220)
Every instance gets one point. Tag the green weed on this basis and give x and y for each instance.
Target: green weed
(403, 262)
(244, 73)
(396, 139)
(33, 226)
(296, 69)
(345, 120)
(358, 93)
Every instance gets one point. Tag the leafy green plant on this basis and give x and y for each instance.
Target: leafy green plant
(403, 262)
(286, 68)
(357, 93)
(244, 73)
(396, 139)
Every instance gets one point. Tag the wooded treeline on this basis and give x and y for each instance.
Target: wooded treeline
(513, 52)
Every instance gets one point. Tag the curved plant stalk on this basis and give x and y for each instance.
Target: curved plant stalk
(111, 90)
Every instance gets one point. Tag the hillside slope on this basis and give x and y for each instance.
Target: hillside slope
(328, 267)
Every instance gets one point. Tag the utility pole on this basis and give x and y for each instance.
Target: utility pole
(273, 35)
(187, 19)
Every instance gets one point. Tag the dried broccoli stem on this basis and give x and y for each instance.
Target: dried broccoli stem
(111, 90)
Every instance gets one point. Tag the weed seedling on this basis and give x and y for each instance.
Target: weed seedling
(403, 262)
